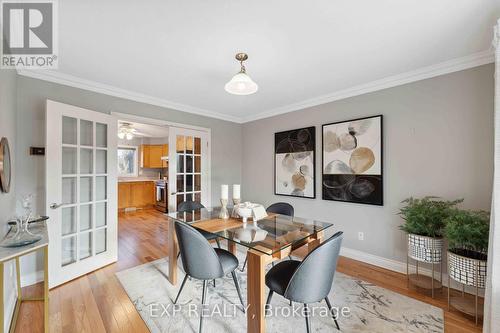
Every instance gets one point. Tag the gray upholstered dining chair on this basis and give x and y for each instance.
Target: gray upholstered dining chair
(189, 206)
(282, 208)
(292, 278)
(204, 262)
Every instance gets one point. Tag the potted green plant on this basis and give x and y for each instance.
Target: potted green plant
(467, 233)
(424, 223)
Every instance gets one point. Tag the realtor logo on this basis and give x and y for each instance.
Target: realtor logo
(29, 34)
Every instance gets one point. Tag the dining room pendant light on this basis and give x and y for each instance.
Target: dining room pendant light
(241, 83)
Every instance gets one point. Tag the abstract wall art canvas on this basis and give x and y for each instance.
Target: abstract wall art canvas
(294, 163)
(352, 161)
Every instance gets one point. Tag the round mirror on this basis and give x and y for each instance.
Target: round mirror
(5, 165)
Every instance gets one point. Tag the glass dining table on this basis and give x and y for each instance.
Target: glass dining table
(271, 238)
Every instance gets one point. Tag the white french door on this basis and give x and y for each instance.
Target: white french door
(188, 167)
(81, 190)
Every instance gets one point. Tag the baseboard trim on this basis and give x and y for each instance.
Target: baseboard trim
(31, 278)
(400, 267)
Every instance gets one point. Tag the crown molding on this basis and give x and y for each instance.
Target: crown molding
(450, 66)
(454, 65)
(76, 82)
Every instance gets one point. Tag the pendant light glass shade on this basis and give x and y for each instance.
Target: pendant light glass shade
(241, 84)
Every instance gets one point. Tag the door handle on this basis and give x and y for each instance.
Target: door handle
(55, 206)
(173, 193)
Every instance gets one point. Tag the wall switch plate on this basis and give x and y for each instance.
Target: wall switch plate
(361, 236)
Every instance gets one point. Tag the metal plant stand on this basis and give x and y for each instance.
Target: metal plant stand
(466, 272)
(429, 254)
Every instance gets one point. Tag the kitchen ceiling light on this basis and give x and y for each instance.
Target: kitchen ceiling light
(126, 131)
(241, 83)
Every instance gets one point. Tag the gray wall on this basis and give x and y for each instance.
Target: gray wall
(8, 200)
(438, 140)
(32, 93)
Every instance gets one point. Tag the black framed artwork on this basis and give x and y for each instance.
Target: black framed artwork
(352, 161)
(295, 163)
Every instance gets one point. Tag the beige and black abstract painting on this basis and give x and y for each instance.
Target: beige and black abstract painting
(352, 161)
(294, 168)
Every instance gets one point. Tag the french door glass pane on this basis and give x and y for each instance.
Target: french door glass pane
(68, 220)
(69, 130)
(68, 252)
(197, 182)
(197, 197)
(197, 164)
(100, 188)
(101, 135)
(180, 144)
(85, 217)
(85, 245)
(180, 163)
(85, 189)
(180, 198)
(86, 133)
(68, 161)
(180, 183)
(100, 214)
(100, 241)
(189, 197)
(101, 161)
(68, 191)
(189, 183)
(197, 145)
(189, 163)
(86, 161)
(189, 145)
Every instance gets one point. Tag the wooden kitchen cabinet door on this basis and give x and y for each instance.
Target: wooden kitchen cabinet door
(124, 195)
(151, 156)
(164, 152)
(155, 153)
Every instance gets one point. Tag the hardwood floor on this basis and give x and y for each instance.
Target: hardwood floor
(97, 302)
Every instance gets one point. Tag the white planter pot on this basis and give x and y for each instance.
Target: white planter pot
(468, 271)
(425, 249)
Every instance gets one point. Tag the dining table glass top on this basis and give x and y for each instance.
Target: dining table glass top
(269, 235)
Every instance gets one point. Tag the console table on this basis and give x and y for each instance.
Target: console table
(8, 254)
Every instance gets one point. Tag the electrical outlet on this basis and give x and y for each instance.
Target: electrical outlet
(361, 236)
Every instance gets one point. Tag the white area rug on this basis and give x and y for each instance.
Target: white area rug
(372, 308)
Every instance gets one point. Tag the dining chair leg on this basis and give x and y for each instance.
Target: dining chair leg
(244, 264)
(308, 319)
(218, 243)
(269, 297)
(214, 282)
(331, 311)
(180, 290)
(237, 285)
(203, 297)
(291, 303)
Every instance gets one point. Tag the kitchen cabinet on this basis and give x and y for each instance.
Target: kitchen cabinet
(151, 156)
(138, 194)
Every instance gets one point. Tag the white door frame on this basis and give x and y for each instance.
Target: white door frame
(58, 274)
(166, 123)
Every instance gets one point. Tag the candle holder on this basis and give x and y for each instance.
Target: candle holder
(224, 214)
(234, 212)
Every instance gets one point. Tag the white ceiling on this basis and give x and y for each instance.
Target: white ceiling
(301, 53)
(146, 130)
